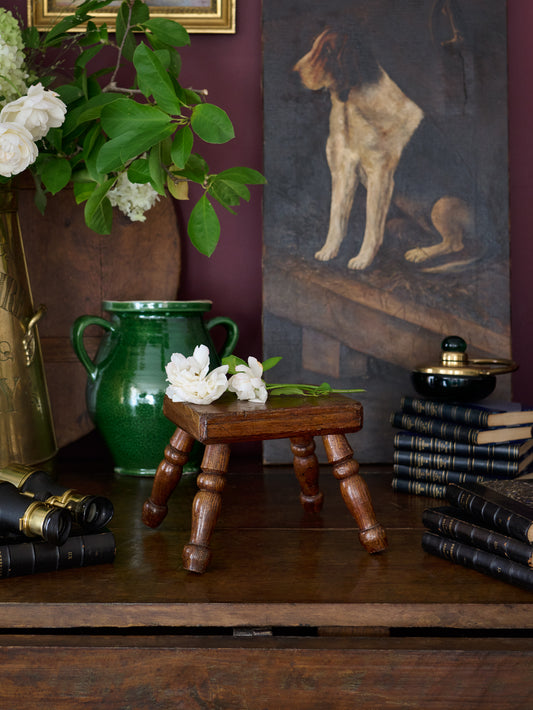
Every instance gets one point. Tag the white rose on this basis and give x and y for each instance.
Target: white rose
(38, 111)
(17, 149)
(190, 379)
(247, 383)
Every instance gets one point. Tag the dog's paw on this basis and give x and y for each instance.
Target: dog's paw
(325, 254)
(419, 254)
(359, 262)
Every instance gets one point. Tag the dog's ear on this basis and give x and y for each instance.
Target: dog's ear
(351, 61)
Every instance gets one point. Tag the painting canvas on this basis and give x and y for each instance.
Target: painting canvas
(386, 209)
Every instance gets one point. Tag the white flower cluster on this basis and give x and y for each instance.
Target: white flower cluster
(24, 121)
(133, 199)
(191, 381)
(13, 75)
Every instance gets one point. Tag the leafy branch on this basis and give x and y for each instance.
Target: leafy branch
(148, 130)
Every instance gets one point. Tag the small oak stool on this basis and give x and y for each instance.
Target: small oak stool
(229, 420)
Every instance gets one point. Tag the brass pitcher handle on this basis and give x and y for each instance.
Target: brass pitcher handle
(76, 338)
(232, 334)
(28, 339)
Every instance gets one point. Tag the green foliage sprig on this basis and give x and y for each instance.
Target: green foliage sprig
(232, 361)
(147, 130)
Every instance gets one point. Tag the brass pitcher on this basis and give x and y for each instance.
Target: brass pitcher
(26, 428)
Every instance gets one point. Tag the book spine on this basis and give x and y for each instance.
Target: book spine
(494, 515)
(436, 476)
(31, 557)
(414, 442)
(434, 427)
(445, 524)
(446, 462)
(479, 560)
(418, 488)
(442, 410)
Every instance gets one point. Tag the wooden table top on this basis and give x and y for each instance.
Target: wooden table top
(273, 564)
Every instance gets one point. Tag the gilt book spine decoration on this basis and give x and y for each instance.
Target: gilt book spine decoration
(418, 488)
(458, 432)
(452, 523)
(442, 476)
(475, 416)
(488, 467)
(500, 512)
(479, 560)
(408, 441)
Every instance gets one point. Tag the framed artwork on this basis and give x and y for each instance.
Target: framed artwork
(206, 16)
(386, 208)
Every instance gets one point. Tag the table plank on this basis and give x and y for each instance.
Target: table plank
(273, 565)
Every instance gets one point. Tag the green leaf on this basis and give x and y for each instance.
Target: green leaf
(83, 190)
(228, 193)
(154, 80)
(270, 362)
(203, 227)
(157, 174)
(85, 57)
(56, 174)
(211, 124)
(90, 110)
(182, 146)
(196, 169)
(91, 156)
(119, 151)
(285, 389)
(126, 115)
(168, 31)
(232, 361)
(139, 12)
(248, 176)
(139, 171)
(98, 211)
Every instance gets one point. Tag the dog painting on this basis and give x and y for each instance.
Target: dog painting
(386, 223)
(371, 123)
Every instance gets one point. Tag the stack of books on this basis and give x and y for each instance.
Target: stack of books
(440, 443)
(488, 528)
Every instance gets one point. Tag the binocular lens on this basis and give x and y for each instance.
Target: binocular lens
(56, 526)
(18, 514)
(95, 511)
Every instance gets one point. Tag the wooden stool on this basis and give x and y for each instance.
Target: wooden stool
(229, 420)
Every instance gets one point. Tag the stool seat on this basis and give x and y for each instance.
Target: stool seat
(227, 421)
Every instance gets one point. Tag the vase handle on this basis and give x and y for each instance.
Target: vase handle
(76, 337)
(232, 334)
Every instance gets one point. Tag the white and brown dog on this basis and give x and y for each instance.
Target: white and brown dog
(370, 126)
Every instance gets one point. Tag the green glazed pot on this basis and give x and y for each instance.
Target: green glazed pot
(127, 380)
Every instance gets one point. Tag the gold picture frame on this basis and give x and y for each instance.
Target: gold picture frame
(200, 16)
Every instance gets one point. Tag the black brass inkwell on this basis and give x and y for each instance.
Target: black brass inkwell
(457, 377)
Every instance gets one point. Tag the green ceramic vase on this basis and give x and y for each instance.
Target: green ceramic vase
(127, 380)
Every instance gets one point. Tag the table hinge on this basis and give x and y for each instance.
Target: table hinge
(252, 631)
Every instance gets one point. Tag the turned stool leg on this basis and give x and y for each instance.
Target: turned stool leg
(206, 507)
(167, 477)
(306, 470)
(355, 492)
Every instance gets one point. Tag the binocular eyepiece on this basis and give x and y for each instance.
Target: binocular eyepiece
(19, 514)
(89, 511)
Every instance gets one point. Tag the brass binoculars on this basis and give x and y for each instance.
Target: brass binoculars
(32, 503)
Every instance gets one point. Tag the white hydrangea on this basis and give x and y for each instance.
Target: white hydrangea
(133, 199)
(13, 75)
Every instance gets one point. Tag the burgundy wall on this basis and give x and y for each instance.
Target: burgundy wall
(230, 67)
